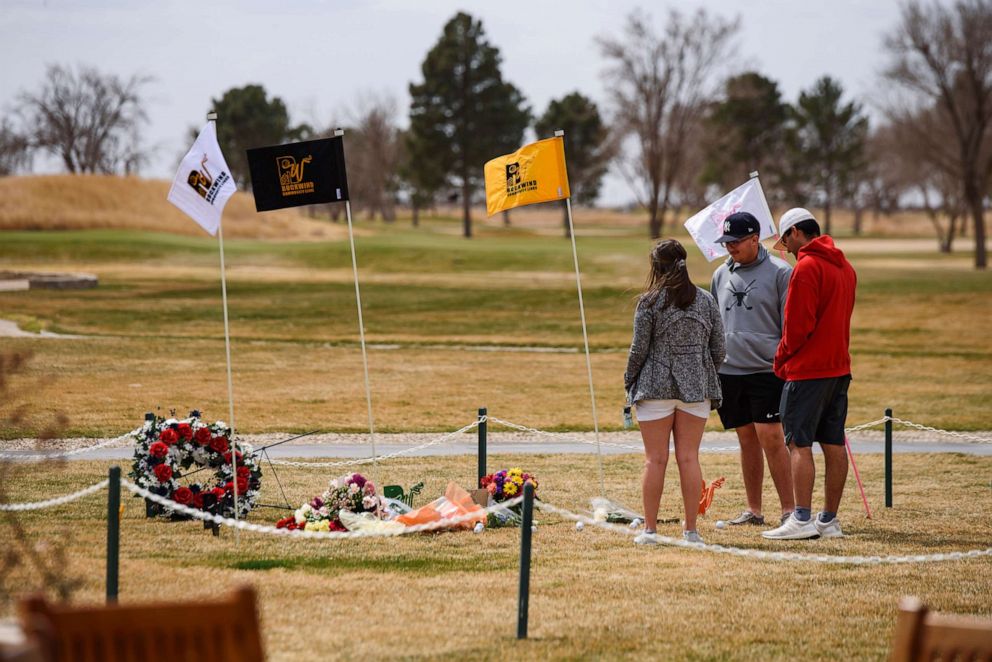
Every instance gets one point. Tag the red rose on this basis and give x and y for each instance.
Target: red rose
(286, 523)
(182, 495)
(218, 492)
(202, 436)
(185, 431)
(158, 449)
(244, 472)
(227, 458)
(198, 500)
(229, 487)
(219, 444)
(168, 436)
(242, 485)
(163, 472)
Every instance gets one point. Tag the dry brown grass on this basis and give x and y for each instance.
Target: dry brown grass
(89, 202)
(593, 594)
(106, 383)
(82, 202)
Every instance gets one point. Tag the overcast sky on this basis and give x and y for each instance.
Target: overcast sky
(319, 56)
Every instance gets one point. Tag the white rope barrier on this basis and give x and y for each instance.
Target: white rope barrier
(725, 449)
(55, 455)
(243, 525)
(770, 556)
(56, 501)
(975, 439)
(380, 458)
(315, 535)
(559, 438)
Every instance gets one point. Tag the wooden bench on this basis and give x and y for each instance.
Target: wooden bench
(217, 630)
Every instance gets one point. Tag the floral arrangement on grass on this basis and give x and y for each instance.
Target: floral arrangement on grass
(165, 451)
(503, 486)
(352, 492)
(508, 484)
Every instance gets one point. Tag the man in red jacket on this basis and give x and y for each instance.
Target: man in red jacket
(814, 360)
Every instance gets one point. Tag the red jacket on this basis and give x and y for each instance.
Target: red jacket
(816, 333)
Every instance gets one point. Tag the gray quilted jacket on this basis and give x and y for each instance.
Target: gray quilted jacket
(675, 353)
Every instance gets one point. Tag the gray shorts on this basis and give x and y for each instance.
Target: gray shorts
(815, 410)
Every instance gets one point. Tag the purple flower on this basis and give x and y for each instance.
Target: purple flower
(357, 479)
(317, 503)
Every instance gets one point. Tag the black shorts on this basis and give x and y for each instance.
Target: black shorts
(815, 410)
(753, 398)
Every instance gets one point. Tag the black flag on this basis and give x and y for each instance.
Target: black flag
(305, 173)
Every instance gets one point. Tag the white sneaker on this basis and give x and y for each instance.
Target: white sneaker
(646, 538)
(793, 529)
(692, 536)
(829, 529)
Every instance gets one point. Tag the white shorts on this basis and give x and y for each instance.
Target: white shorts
(652, 410)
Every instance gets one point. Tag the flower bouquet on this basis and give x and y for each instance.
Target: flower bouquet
(503, 486)
(166, 449)
(352, 493)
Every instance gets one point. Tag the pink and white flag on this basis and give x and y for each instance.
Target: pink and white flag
(706, 226)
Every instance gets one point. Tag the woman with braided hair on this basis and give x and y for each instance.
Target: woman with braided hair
(671, 379)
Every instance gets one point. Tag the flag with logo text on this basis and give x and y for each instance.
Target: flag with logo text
(305, 173)
(534, 173)
(706, 226)
(203, 183)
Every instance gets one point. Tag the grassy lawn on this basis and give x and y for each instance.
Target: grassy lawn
(454, 325)
(594, 594)
(921, 338)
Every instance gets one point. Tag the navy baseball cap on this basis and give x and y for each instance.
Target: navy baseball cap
(739, 225)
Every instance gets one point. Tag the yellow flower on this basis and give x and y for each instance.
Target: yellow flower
(509, 488)
(311, 526)
(519, 480)
(323, 525)
(516, 472)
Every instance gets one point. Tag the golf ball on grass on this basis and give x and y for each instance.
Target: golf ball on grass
(636, 522)
(479, 527)
(579, 526)
(720, 524)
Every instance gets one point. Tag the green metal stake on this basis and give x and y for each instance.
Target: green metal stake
(113, 533)
(482, 444)
(526, 531)
(888, 458)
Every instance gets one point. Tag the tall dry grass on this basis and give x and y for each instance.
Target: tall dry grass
(89, 202)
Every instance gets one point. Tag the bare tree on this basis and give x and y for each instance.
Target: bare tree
(90, 120)
(942, 55)
(15, 154)
(660, 83)
(374, 156)
(918, 149)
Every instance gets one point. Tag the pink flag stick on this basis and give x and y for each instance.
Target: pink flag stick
(857, 476)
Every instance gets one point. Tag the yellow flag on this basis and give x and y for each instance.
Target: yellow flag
(533, 173)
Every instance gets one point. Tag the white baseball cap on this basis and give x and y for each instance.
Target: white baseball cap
(788, 219)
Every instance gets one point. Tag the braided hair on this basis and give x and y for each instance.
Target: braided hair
(669, 275)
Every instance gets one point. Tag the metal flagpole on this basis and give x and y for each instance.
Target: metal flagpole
(212, 117)
(585, 339)
(361, 335)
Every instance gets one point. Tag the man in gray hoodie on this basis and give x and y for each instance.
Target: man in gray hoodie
(750, 289)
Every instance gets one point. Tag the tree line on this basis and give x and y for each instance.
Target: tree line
(679, 126)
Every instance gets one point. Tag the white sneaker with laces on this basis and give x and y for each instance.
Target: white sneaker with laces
(829, 529)
(646, 538)
(793, 529)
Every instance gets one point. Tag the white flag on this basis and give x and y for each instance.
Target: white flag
(707, 226)
(203, 183)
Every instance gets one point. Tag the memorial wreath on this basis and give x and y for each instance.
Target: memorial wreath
(167, 450)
